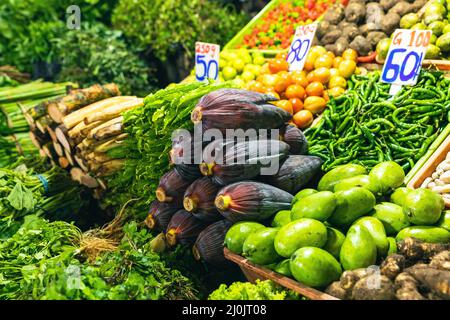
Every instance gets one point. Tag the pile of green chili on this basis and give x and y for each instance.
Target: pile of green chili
(366, 126)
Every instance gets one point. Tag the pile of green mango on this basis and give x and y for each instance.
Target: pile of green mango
(353, 220)
(434, 16)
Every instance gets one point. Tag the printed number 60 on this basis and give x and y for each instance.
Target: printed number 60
(296, 53)
(400, 70)
(207, 68)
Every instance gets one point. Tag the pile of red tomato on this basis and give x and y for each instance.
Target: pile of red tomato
(276, 29)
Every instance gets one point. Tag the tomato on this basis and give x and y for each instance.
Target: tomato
(280, 85)
(331, 55)
(321, 75)
(347, 68)
(311, 76)
(258, 87)
(315, 89)
(334, 72)
(310, 61)
(295, 91)
(264, 69)
(297, 104)
(323, 61)
(337, 61)
(281, 55)
(285, 105)
(337, 81)
(319, 50)
(350, 54)
(269, 80)
(278, 65)
(315, 104)
(286, 76)
(336, 91)
(299, 78)
(303, 119)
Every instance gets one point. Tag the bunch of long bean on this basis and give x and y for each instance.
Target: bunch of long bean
(366, 126)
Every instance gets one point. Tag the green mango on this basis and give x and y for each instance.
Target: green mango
(339, 173)
(300, 233)
(437, 27)
(364, 181)
(434, 11)
(433, 40)
(399, 195)
(444, 221)
(319, 206)
(408, 20)
(283, 268)
(433, 52)
(282, 218)
(238, 233)
(418, 26)
(358, 250)
(425, 233)
(392, 246)
(335, 239)
(383, 47)
(376, 230)
(423, 206)
(303, 193)
(259, 247)
(392, 216)
(351, 204)
(271, 266)
(443, 42)
(446, 29)
(315, 267)
(389, 175)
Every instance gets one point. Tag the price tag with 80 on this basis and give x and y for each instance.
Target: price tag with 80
(405, 56)
(206, 61)
(300, 46)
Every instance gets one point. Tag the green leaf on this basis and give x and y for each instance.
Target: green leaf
(15, 197)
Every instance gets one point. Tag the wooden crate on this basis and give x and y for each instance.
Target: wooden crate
(430, 166)
(254, 272)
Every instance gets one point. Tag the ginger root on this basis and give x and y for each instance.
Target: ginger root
(441, 261)
(374, 287)
(337, 291)
(406, 287)
(414, 249)
(437, 281)
(392, 266)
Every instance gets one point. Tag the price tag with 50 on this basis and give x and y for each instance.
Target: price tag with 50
(206, 61)
(405, 56)
(300, 46)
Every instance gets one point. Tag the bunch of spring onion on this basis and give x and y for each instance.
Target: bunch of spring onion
(14, 146)
(32, 91)
(50, 194)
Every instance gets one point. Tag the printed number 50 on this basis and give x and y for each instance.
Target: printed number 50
(210, 69)
(298, 50)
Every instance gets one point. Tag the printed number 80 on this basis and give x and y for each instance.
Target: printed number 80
(298, 50)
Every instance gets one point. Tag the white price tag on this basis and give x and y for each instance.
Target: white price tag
(206, 61)
(405, 56)
(300, 46)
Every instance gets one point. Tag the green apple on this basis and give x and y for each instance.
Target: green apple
(238, 64)
(248, 76)
(229, 73)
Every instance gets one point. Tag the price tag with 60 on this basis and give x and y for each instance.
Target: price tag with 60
(206, 61)
(300, 46)
(405, 56)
